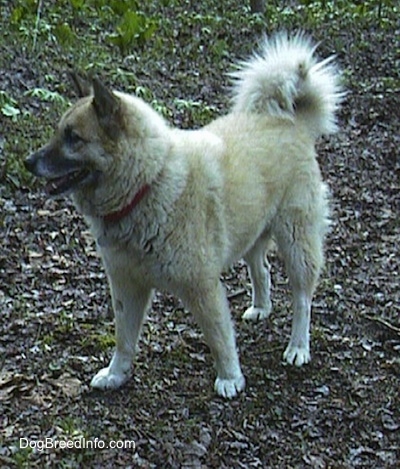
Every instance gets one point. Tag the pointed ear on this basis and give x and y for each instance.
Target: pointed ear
(106, 106)
(83, 87)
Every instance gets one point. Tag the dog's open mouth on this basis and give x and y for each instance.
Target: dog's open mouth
(70, 181)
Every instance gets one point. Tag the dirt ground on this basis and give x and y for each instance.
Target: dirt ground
(340, 411)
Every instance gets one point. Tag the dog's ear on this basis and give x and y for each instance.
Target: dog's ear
(106, 106)
(82, 85)
(105, 102)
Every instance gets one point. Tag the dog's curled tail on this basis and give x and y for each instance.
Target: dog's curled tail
(286, 80)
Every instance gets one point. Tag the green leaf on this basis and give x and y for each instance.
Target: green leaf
(77, 4)
(10, 111)
(64, 34)
(17, 15)
(135, 28)
(120, 7)
(46, 95)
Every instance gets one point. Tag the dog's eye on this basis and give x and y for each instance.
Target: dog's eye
(71, 137)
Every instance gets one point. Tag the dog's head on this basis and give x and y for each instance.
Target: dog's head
(106, 148)
(80, 151)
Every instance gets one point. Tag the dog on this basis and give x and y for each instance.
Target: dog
(171, 208)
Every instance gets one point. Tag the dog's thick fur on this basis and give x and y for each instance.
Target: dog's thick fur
(170, 209)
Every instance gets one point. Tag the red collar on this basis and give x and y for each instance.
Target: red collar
(113, 217)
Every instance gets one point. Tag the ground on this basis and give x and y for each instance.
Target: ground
(341, 410)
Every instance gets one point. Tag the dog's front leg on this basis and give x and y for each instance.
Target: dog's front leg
(130, 302)
(210, 307)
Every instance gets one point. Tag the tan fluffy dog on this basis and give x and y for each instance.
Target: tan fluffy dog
(170, 209)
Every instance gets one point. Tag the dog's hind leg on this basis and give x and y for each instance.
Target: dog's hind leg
(210, 308)
(260, 281)
(130, 302)
(300, 240)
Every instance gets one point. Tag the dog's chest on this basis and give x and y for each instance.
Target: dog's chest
(150, 264)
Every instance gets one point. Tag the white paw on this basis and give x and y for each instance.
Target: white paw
(257, 314)
(106, 379)
(297, 355)
(229, 388)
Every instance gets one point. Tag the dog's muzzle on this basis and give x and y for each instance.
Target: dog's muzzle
(63, 175)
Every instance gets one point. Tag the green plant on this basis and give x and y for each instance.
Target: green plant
(198, 112)
(135, 28)
(22, 457)
(46, 95)
(69, 426)
(65, 35)
(103, 341)
(9, 106)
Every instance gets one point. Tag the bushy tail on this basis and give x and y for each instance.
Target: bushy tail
(286, 80)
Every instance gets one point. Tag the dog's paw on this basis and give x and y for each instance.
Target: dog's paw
(257, 314)
(297, 355)
(106, 379)
(229, 388)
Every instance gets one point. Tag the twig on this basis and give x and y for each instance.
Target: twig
(2, 362)
(237, 293)
(3, 162)
(35, 33)
(383, 322)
